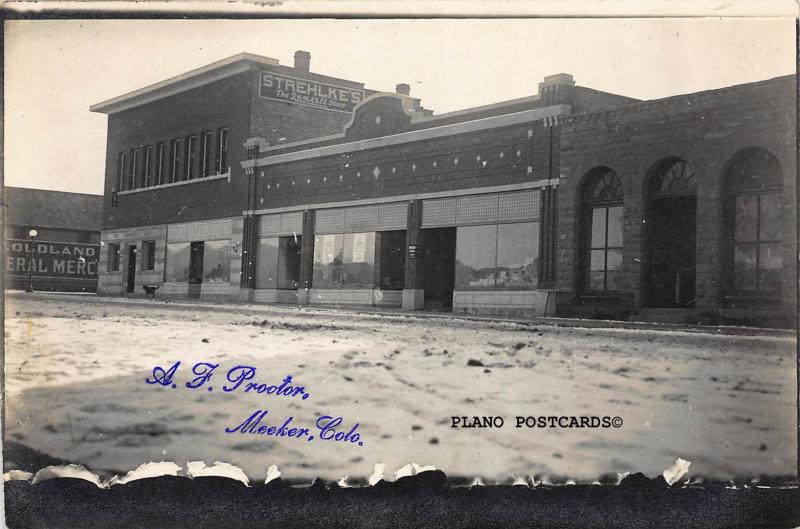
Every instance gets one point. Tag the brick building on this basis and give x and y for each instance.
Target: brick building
(52, 240)
(253, 181)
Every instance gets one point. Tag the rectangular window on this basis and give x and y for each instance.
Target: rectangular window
(757, 251)
(267, 263)
(217, 261)
(358, 266)
(191, 148)
(391, 266)
(497, 257)
(205, 156)
(149, 257)
(122, 166)
(476, 257)
(176, 267)
(517, 256)
(328, 259)
(278, 263)
(147, 166)
(113, 257)
(222, 150)
(161, 163)
(134, 163)
(605, 251)
(175, 174)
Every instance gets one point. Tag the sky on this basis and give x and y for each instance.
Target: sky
(56, 69)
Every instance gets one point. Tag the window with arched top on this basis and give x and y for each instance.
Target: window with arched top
(752, 192)
(600, 224)
(672, 177)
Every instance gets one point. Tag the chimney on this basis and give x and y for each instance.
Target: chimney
(557, 89)
(403, 89)
(302, 61)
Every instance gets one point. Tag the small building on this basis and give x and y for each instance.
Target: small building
(52, 240)
(249, 180)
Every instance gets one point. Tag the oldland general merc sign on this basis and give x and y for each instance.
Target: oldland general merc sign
(308, 92)
(51, 259)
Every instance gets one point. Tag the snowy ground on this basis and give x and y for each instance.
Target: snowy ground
(76, 369)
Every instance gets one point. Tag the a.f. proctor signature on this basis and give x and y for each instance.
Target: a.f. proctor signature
(237, 376)
(241, 378)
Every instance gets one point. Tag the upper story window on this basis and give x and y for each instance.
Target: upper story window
(147, 167)
(161, 163)
(175, 169)
(222, 150)
(205, 155)
(122, 163)
(134, 164)
(191, 148)
(600, 255)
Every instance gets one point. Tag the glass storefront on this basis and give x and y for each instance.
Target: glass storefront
(217, 261)
(278, 261)
(497, 257)
(344, 260)
(176, 267)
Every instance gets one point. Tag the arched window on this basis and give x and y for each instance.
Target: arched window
(753, 185)
(601, 231)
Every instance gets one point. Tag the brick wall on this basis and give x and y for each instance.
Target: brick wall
(706, 129)
(222, 103)
(481, 159)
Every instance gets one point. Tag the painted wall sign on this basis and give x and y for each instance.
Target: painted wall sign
(308, 92)
(51, 259)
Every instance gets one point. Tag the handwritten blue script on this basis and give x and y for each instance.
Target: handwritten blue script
(239, 378)
(326, 428)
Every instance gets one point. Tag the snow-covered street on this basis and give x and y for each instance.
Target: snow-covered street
(76, 370)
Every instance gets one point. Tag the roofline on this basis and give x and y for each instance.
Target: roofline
(588, 116)
(52, 191)
(186, 81)
(503, 120)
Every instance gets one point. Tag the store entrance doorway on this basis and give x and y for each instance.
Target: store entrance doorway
(439, 263)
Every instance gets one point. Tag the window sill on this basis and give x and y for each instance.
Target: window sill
(226, 176)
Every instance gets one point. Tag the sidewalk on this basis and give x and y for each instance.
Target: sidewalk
(238, 307)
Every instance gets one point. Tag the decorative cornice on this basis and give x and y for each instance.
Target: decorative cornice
(414, 135)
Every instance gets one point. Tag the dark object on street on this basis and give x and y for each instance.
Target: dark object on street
(475, 363)
(150, 290)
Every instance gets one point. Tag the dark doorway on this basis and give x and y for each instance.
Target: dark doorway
(195, 268)
(439, 264)
(670, 275)
(131, 283)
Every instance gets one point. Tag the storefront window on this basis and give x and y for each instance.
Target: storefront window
(217, 261)
(176, 268)
(267, 263)
(392, 259)
(278, 262)
(476, 256)
(344, 260)
(517, 256)
(358, 269)
(497, 257)
(328, 259)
